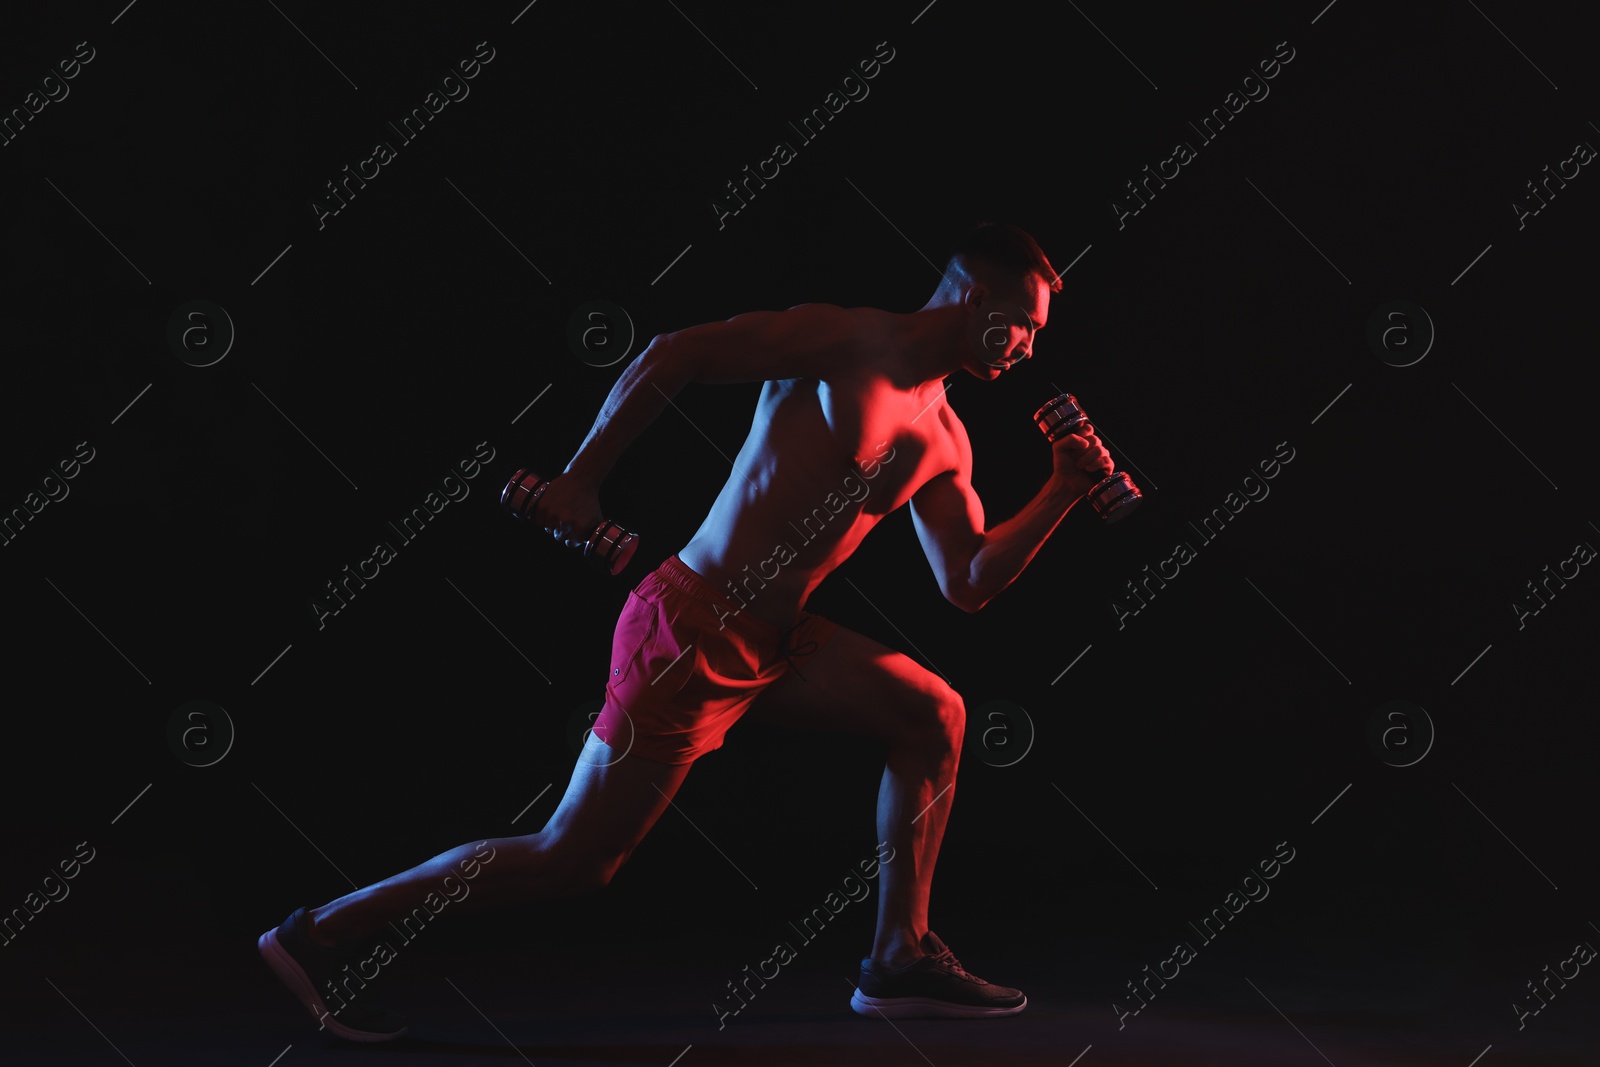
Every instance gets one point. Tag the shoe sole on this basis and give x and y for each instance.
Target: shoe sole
(294, 976)
(926, 1008)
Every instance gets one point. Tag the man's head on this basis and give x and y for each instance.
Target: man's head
(1002, 281)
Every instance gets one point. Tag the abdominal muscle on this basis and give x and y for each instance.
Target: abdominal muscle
(795, 506)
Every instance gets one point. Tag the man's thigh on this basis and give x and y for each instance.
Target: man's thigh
(612, 800)
(856, 685)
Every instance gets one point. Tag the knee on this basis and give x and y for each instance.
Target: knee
(594, 873)
(577, 871)
(940, 719)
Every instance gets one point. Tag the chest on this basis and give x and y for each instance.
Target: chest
(892, 439)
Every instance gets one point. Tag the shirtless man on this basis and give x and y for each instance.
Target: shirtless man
(853, 399)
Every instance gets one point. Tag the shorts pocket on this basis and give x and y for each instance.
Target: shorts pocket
(630, 644)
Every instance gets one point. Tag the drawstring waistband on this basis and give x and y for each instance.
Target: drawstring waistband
(789, 653)
(680, 574)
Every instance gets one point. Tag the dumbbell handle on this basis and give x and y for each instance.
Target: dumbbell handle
(1114, 497)
(609, 546)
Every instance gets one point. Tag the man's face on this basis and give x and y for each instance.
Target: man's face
(1002, 323)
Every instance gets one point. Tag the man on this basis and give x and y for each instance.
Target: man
(851, 424)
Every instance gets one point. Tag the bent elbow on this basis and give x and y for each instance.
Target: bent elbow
(670, 360)
(966, 598)
(660, 350)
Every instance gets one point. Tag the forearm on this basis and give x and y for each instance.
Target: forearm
(641, 393)
(1007, 549)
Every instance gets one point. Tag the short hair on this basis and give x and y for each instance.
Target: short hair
(1007, 249)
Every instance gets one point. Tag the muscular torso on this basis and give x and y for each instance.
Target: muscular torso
(824, 462)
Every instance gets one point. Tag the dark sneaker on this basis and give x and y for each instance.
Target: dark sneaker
(935, 986)
(311, 972)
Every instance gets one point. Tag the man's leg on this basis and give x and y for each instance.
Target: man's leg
(606, 811)
(856, 685)
(609, 805)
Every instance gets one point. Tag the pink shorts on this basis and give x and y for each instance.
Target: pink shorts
(682, 672)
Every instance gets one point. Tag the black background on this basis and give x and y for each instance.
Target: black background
(1208, 329)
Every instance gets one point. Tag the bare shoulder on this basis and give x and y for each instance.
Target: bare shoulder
(941, 493)
(944, 457)
(866, 330)
(823, 341)
(955, 446)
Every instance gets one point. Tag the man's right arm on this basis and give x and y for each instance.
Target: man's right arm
(811, 341)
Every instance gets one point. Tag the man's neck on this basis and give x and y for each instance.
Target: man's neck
(929, 345)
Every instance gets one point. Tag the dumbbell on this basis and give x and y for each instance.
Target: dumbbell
(609, 547)
(1113, 498)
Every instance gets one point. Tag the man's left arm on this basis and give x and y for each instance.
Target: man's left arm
(973, 564)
